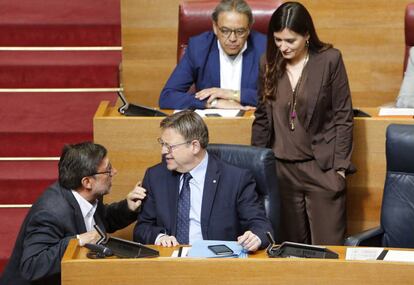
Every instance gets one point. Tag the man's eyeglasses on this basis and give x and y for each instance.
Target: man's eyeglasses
(239, 33)
(170, 147)
(108, 172)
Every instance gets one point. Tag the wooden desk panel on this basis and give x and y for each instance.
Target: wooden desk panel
(257, 269)
(370, 35)
(132, 146)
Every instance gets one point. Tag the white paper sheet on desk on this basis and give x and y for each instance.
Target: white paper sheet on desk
(200, 248)
(363, 253)
(184, 252)
(400, 255)
(225, 113)
(385, 111)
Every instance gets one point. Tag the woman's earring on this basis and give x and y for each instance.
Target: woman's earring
(307, 43)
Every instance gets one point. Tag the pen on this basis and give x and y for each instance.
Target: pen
(382, 254)
(180, 251)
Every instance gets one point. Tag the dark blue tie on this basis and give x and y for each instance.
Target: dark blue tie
(183, 213)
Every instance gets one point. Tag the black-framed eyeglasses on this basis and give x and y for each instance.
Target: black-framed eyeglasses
(239, 33)
(170, 147)
(108, 172)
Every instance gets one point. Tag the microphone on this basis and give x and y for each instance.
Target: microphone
(270, 238)
(101, 250)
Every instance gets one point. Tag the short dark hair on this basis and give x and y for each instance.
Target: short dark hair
(239, 6)
(188, 124)
(78, 161)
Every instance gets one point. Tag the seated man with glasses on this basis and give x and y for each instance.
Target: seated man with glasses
(69, 209)
(192, 195)
(223, 64)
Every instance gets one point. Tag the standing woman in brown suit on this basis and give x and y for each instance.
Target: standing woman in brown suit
(305, 115)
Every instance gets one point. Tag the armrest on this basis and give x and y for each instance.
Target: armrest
(371, 237)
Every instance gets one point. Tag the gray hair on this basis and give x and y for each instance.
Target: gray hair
(188, 124)
(239, 6)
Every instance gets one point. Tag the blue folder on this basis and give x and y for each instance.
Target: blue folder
(200, 249)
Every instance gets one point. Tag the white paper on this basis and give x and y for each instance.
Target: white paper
(363, 253)
(385, 111)
(400, 255)
(224, 113)
(184, 252)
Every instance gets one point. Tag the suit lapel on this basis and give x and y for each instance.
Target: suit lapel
(313, 84)
(97, 217)
(209, 193)
(247, 65)
(173, 184)
(214, 65)
(79, 221)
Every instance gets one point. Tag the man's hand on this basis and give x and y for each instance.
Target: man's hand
(217, 93)
(223, 99)
(229, 104)
(249, 241)
(167, 241)
(135, 197)
(88, 237)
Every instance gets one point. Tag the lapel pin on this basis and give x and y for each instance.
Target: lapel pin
(214, 181)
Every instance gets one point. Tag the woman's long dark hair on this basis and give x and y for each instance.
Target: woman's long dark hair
(295, 17)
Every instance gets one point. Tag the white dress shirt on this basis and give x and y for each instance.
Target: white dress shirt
(231, 69)
(197, 188)
(87, 209)
(406, 97)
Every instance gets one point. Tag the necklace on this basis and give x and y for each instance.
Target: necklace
(292, 105)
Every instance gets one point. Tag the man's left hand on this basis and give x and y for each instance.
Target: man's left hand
(249, 241)
(216, 93)
(135, 197)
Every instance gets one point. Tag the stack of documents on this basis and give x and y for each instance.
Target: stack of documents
(377, 253)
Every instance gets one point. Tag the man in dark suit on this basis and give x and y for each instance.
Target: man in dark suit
(68, 210)
(222, 202)
(223, 64)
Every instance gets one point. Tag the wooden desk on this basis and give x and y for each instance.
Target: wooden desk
(132, 146)
(257, 269)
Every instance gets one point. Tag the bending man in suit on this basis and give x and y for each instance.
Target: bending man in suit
(222, 202)
(223, 64)
(69, 209)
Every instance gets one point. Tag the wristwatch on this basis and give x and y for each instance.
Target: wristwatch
(236, 95)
